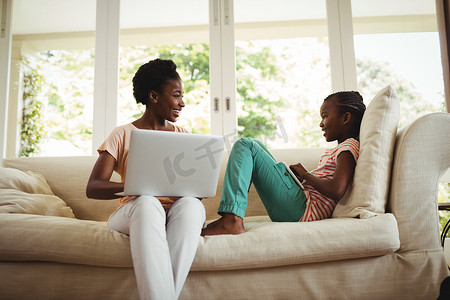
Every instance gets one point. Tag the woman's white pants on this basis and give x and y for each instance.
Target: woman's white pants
(163, 244)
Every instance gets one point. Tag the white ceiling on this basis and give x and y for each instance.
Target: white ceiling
(45, 16)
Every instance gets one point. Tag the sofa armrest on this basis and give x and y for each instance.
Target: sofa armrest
(422, 155)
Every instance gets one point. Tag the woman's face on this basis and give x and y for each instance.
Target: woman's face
(170, 101)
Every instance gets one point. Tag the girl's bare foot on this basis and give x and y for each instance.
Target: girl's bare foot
(227, 224)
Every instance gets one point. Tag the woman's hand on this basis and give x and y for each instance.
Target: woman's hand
(99, 185)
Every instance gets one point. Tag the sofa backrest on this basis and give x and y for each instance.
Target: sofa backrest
(422, 155)
(68, 176)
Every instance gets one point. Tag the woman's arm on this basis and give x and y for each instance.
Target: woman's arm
(336, 187)
(99, 185)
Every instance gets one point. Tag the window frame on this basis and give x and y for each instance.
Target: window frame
(222, 61)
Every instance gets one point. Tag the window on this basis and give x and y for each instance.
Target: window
(250, 68)
(282, 72)
(54, 54)
(399, 47)
(183, 38)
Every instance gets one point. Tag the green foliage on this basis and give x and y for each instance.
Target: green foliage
(257, 117)
(32, 128)
(373, 76)
(444, 217)
(282, 81)
(192, 61)
(263, 60)
(68, 95)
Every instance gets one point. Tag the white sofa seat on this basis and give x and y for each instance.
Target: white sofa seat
(271, 244)
(264, 244)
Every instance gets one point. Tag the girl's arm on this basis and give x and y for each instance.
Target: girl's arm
(336, 187)
(99, 185)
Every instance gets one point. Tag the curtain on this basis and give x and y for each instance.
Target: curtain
(443, 19)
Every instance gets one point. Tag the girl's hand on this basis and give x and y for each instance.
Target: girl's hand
(299, 170)
(332, 188)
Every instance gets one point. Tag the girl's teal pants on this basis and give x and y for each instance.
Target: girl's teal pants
(249, 162)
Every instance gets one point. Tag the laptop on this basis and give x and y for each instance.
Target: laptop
(173, 164)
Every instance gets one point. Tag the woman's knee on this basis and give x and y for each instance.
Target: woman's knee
(145, 204)
(191, 203)
(189, 207)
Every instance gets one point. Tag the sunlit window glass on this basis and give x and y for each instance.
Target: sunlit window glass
(54, 54)
(282, 62)
(399, 47)
(183, 39)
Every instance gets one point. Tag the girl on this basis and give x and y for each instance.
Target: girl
(164, 231)
(284, 200)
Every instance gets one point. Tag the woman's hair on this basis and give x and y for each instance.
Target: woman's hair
(153, 76)
(352, 102)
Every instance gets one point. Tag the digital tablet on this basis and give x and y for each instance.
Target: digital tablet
(293, 176)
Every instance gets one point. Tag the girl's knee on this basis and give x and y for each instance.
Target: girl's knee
(243, 143)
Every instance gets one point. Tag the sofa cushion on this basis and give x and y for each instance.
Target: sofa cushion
(63, 240)
(16, 201)
(68, 177)
(265, 244)
(270, 244)
(25, 181)
(367, 195)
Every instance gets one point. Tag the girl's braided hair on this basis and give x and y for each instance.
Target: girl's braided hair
(153, 76)
(352, 102)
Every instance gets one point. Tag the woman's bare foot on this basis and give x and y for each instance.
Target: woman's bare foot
(227, 224)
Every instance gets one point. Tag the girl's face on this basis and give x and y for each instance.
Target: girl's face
(332, 123)
(170, 101)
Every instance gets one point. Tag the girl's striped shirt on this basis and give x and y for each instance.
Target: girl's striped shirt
(318, 206)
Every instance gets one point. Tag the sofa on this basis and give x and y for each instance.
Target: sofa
(382, 241)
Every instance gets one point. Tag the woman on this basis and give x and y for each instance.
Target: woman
(164, 231)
